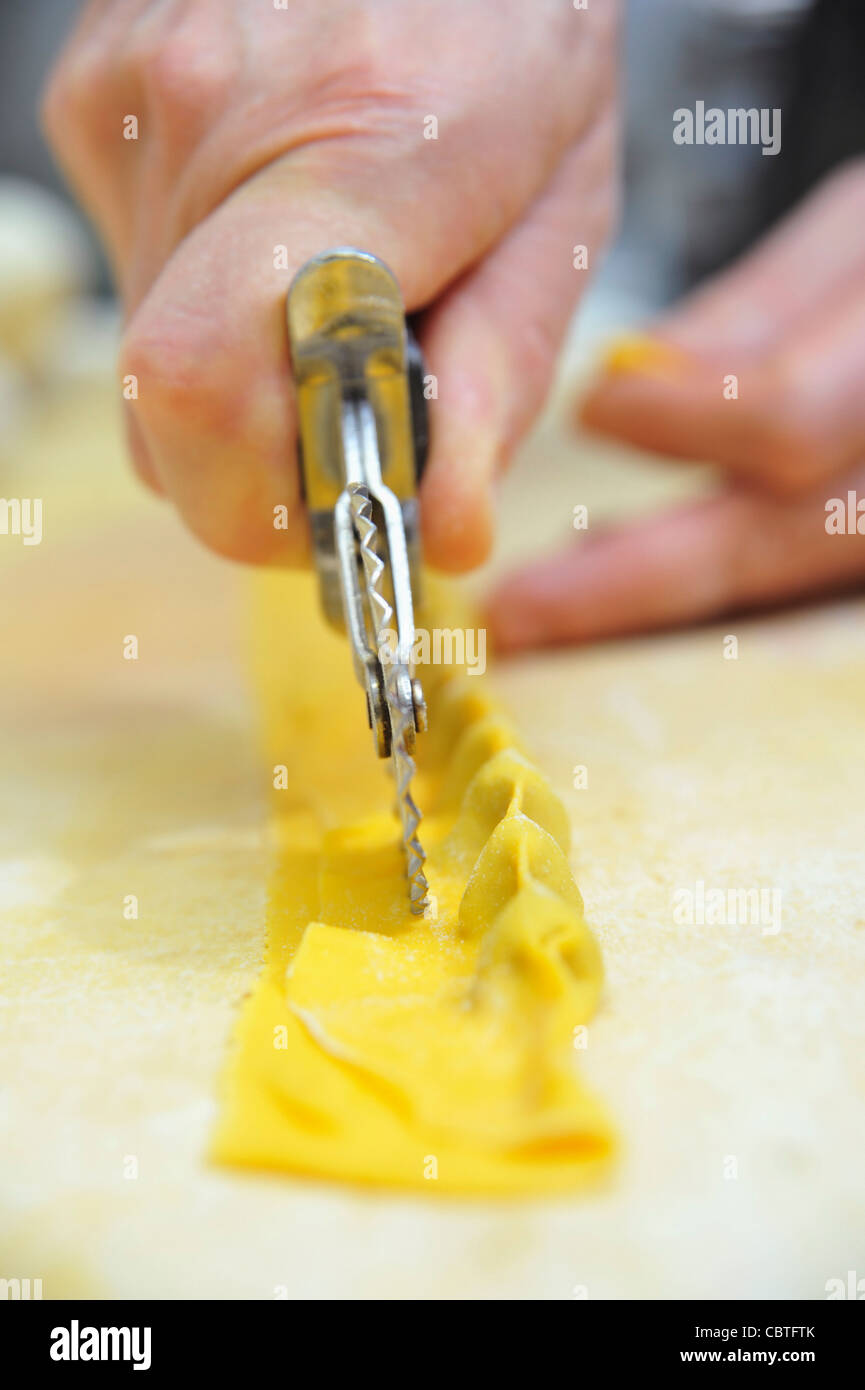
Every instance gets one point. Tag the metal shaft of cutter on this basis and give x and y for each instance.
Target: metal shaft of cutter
(357, 443)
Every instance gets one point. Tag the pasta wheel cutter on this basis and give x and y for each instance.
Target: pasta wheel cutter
(362, 442)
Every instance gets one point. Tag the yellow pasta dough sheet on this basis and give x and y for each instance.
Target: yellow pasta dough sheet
(437, 1052)
(717, 1049)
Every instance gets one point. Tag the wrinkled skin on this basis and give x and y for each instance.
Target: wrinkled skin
(303, 127)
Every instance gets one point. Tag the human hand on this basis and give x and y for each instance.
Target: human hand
(304, 128)
(787, 322)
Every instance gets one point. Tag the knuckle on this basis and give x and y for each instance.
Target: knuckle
(185, 75)
(66, 95)
(78, 100)
(195, 430)
(173, 391)
(793, 446)
(366, 57)
(151, 358)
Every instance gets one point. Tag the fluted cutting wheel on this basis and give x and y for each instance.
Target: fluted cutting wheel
(398, 696)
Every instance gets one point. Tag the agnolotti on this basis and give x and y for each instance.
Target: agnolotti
(434, 1052)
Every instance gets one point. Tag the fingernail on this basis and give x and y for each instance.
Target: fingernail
(638, 353)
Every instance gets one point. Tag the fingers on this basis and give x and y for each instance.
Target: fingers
(786, 423)
(219, 91)
(735, 551)
(492, 343)
(85, 107)
(761, 371)
(207, 348)
(807, 263)
(254, 129)
(207, 355)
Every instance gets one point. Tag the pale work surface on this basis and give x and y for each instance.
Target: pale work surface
(732, 1059)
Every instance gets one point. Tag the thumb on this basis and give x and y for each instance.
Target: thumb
(213, 412)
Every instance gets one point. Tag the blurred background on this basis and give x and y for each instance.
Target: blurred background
(685, 215)
(148, 778)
